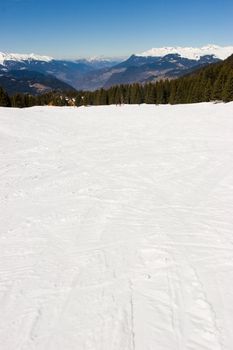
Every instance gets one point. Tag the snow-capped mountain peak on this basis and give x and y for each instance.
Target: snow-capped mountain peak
(22, 57)
(221, 52)
(98, 58)
(93, 59)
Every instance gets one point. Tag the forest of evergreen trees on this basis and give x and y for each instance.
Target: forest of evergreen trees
(214, 82)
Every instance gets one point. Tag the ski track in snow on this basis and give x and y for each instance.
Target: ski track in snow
(116, 228)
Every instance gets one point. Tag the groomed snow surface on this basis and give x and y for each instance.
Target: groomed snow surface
(116, 228)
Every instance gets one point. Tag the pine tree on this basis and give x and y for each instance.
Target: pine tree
(208, 91)
(160, 92)
(218, 87)
(150, 97)
(173, 88)
(228, 89)
(18, 101)
(4, 99)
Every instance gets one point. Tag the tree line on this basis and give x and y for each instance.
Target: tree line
(214, 82)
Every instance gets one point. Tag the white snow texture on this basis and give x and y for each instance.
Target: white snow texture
(221, 52)
(116, 228)
(22, 57)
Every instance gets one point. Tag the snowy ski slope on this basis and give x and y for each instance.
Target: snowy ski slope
(116, 228)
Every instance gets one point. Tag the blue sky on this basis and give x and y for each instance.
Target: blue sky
(72, 28)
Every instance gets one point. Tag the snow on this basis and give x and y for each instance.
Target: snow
(4, 57)
(221, 52)
(22, 57)
(116, 228)
(100, 59)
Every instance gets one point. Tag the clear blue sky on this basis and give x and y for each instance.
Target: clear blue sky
(71, 28)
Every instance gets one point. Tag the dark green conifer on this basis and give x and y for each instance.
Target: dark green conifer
(227, 95)
(4, 99)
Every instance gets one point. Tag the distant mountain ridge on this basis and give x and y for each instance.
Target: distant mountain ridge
(94, 73)
(154, 65)
(31, 82)
(68, 71)
(4, 57)
(141, 69)
(193, 53)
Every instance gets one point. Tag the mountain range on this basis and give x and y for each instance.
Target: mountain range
(36, 74)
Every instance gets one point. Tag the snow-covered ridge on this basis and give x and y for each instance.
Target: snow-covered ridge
(98, 59)
(94, 59)
(22, 57)
(221, 52)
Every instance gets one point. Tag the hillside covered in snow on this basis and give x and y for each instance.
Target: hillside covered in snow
(116, 228)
